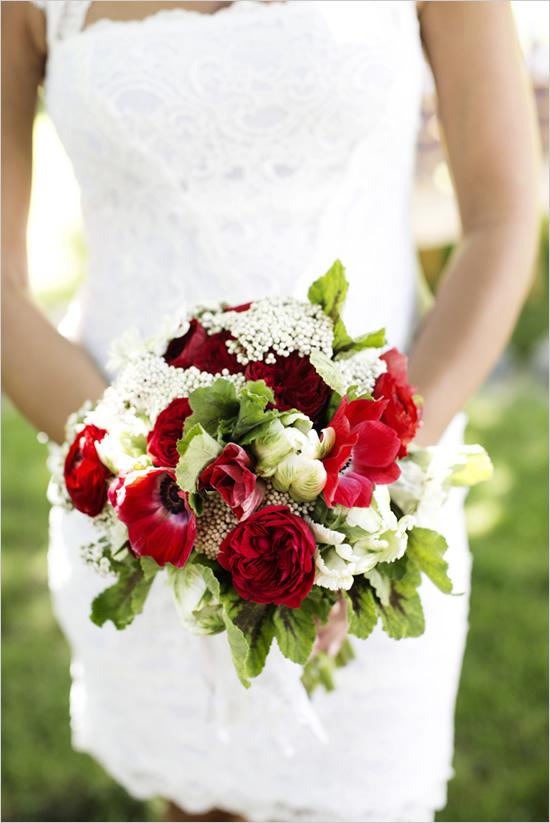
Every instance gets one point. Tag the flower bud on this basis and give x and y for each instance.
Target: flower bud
(302, 477)
(473, 467)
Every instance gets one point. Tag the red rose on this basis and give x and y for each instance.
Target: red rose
(85, 474)
(295, 384)
(231, 476)
(401, 413)
(270, 557)
(160, 522)
(368, 445)
(206, 352)
(168, 428)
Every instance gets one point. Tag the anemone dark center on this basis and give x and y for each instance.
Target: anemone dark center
(170, 497)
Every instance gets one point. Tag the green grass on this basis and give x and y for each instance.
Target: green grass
(502, 714)
(501, 757)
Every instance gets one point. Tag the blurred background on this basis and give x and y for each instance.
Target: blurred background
(501, 758)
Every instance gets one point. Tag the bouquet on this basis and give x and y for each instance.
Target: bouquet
(262, 460)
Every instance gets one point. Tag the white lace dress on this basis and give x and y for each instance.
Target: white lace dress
(232, 156)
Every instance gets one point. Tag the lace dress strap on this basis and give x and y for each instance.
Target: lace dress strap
(63, 17)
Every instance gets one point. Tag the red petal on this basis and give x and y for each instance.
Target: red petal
(378, 445)
(353, 490)
(397, 365)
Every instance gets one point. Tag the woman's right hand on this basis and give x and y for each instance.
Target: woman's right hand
(45, 375)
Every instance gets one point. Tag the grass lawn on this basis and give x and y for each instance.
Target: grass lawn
(501, 757)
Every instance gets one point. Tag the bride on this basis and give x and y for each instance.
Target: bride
(228, 151)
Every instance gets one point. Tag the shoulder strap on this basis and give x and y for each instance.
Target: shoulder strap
(63, 18)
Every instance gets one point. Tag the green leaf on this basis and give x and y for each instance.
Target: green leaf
(239, 649)
(253, 398)
(330, 292)
(250, 633)
(295, 630)
(197, 595)
(402, 615)
(426, 548)
(321, 601)
(362, 612)
(197, 448)
(213, 405)
(373, 340)
(328, 370)
(149, 567)
(121, 602)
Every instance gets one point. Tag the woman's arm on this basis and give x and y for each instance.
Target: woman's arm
(489, 123)
(46, 376)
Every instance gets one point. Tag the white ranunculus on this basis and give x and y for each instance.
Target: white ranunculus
(333, 572)
(377, 517)
(324, 535)
(427, 475)
(116, 452)
(393, 544)
(291, 433)
(302, 477)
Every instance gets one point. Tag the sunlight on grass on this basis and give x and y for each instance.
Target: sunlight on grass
(483, 517)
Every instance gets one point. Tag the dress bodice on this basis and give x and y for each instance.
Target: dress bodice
(238, 154)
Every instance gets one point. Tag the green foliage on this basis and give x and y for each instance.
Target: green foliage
(320, 669)
(214, 407)
(295, 630)
(362, 608)
(227, 415)
(253, 399)
(250, 632)
(330, 292)
(121, 602)
(196, 449)
(426, 549)
(402, 614)
(326, 368)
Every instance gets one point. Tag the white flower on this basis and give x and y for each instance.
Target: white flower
(362, 370)
(473, 465)
(302, 477)
(333, 572)
(427, 476)
(273, 326)
(131, 345)
(388, 546)
(377, 517)
(116, 452)
(291, 433)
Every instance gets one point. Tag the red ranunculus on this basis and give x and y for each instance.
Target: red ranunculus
(160, 522)
(85, 474)
(372, 447)
(401, 413)
(206, 352)
(231, 475)
(295, 384)
(168, 428)
(271, 557)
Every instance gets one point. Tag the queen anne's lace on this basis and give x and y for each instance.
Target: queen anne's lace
(228, 158)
